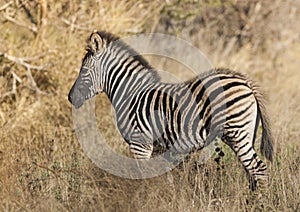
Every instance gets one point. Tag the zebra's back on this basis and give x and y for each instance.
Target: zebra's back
(193, 113)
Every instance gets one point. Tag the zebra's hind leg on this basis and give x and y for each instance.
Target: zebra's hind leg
(243, 146)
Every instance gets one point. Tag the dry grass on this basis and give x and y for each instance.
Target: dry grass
(42, 166)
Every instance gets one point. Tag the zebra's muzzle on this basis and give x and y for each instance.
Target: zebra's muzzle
(76, 98)
(77, 95)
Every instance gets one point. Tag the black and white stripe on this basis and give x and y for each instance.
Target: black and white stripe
(153, 116)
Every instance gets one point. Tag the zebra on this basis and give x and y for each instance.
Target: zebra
(153, 116)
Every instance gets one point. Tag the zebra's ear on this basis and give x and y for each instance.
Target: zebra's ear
(95, 43)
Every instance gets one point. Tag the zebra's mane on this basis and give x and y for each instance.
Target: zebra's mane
(111, 38)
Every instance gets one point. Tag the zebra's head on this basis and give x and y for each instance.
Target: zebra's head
(88, 82)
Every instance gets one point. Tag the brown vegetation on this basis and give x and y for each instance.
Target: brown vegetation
(42, 166)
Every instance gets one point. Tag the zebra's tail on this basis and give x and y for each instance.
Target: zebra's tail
(266, 146)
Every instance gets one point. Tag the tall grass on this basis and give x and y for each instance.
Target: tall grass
(42, 166)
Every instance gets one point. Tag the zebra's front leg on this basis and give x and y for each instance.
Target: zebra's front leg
(141, 149)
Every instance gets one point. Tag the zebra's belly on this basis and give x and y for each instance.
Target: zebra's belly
(181, 145)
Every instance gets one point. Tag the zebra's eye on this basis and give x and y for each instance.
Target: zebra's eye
(84, 71)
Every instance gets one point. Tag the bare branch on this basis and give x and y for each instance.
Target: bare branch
(6, 5)
(21, 24)
(14, 87)
(22, 61)
(28, 13)
(29, 67)
(46, 168)
(31, 58)
(33, 83)
(16, 77)
(74, 26)
(8, 93)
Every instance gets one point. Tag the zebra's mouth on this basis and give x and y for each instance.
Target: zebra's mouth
(77, 103)
(76, 99)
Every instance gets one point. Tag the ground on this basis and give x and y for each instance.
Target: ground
(43, 167)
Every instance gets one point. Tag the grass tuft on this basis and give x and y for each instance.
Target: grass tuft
(42, 166)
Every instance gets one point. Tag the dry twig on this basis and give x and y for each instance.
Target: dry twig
(33, 83)
(45, 167)
(21, 24)
(22, 61)
(74, 26)
(14, 87)
(6, 5)
(29, 67)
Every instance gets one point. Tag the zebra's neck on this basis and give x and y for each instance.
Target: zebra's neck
(126, 75)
